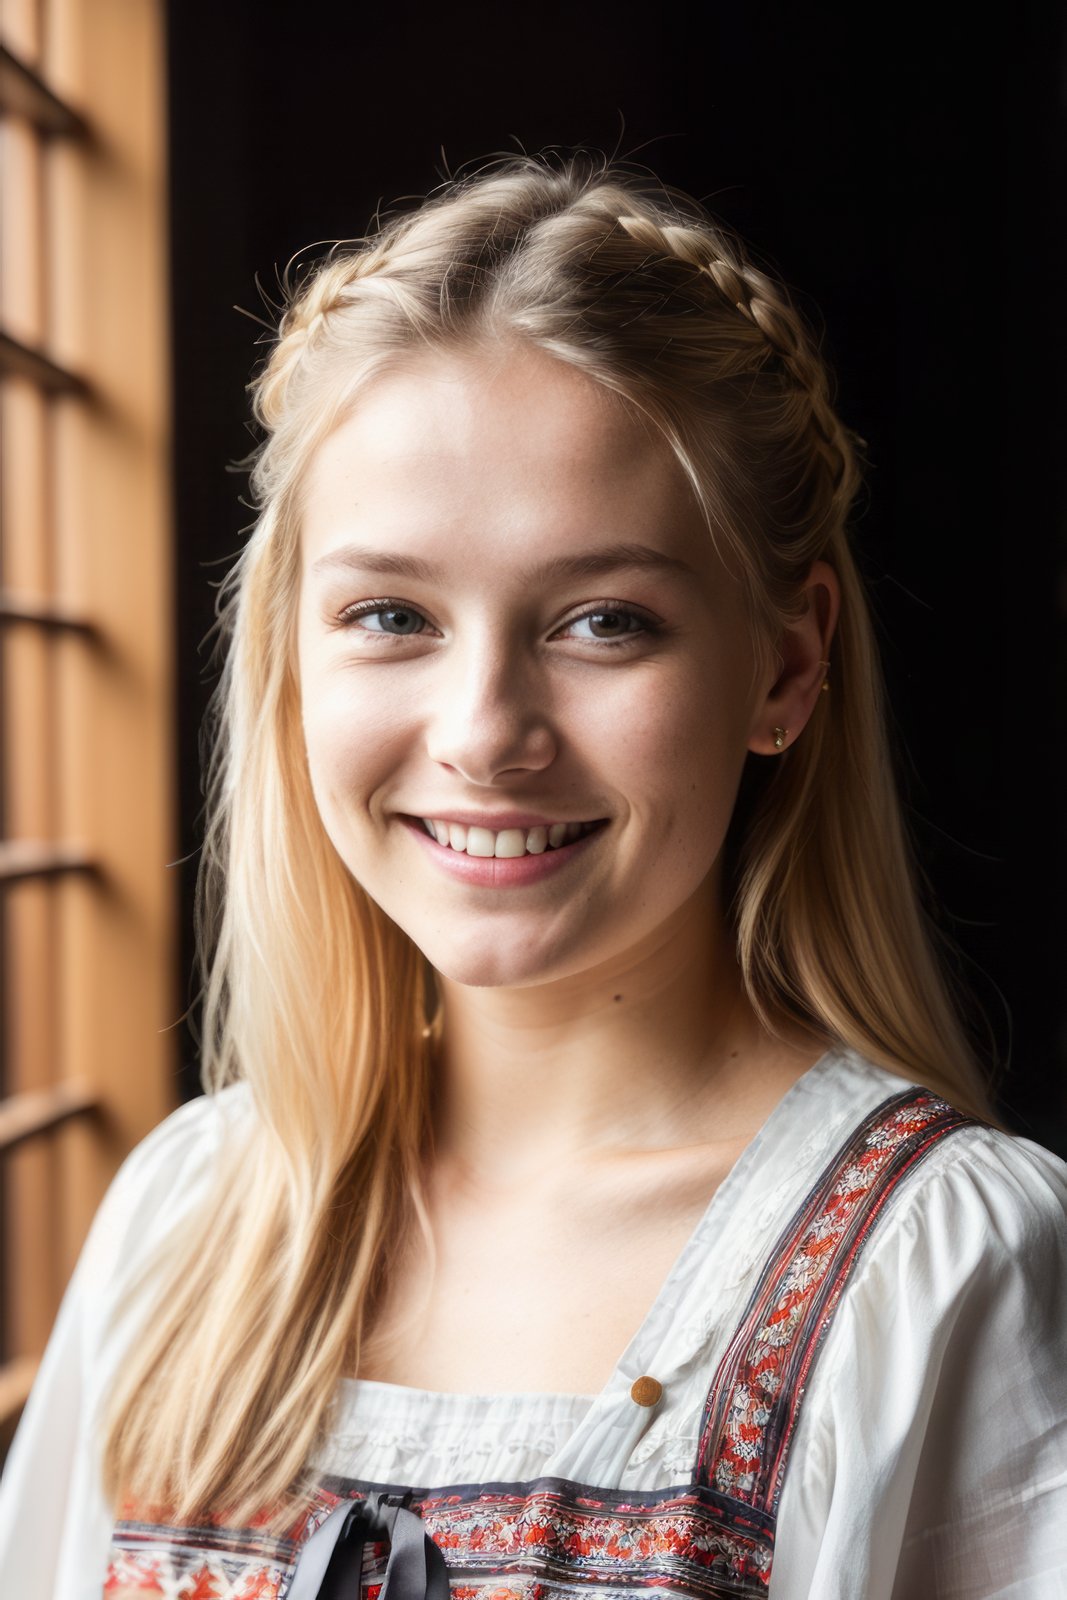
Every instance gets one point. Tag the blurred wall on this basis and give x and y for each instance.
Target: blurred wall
(902, 177)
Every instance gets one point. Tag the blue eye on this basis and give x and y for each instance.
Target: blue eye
(613, 622)
(393, 619)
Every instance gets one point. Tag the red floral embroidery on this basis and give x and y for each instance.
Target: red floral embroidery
(753, 1404)
(693, 1542)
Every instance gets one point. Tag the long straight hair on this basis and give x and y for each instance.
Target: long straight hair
(312, 995)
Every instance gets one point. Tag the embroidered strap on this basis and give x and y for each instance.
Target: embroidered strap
(754, 1402)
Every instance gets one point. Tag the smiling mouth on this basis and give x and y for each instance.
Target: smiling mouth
(509, 843)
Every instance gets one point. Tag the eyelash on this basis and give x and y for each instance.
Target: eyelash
(350, 616)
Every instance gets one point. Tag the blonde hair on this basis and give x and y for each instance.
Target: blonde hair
(312, 995)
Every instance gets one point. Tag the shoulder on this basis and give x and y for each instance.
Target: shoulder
(978, 1203)
(182, 1147)
(969, 1256)
(1014, 1187)
(941, 1393)
(163, 1179)
(963, 1235)
(1001, 1188)
(989, 1193)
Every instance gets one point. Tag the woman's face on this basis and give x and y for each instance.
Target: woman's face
(512, 619)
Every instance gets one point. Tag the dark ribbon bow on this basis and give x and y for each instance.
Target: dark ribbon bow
(331, 1563)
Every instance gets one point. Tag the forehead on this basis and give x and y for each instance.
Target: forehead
(492, 454)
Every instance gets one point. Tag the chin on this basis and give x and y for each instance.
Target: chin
(489, 972)
(492, 965)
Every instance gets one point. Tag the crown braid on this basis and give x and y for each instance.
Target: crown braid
(329, 288)
(432, 277)
(765, 305)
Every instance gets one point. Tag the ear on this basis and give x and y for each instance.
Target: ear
(802, 657)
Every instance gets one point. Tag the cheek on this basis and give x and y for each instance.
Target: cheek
(686, 734)
(681, 751)
(353, 739)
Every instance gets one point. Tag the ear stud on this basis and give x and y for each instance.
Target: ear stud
(779, 737)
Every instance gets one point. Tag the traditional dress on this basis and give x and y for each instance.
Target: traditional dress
(852, 1385)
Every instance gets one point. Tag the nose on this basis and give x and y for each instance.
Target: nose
(490, 718)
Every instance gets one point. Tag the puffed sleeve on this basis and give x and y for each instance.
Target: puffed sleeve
(930, 1459)
(55, 1522)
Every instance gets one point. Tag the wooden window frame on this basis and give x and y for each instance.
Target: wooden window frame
(88, 938)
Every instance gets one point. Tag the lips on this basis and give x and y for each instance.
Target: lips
(492, 871)
(505, 842)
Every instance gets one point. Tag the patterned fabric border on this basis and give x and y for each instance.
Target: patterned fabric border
(501, 1542)
(754, 1403)
(152, 1557)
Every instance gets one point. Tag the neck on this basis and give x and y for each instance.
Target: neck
(652, 1049)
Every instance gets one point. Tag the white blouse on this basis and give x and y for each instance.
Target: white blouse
(930, 1458)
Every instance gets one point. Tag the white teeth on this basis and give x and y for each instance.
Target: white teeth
(508, 843)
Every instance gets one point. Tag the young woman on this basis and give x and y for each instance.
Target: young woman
(594, 1189)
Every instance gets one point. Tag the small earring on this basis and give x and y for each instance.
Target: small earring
(825, 685)
(779, 737)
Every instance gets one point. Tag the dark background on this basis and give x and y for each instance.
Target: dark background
(900, 172)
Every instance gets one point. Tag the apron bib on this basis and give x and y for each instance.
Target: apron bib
(711, 1538)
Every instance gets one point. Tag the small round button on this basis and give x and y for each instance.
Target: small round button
(646, 1391)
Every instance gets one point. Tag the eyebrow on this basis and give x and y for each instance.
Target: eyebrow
(587, 564)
